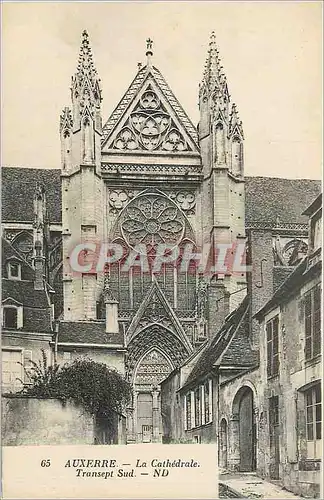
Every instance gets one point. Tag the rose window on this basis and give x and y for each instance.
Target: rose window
(152, 219)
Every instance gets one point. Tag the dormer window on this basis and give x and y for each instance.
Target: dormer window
(13, 265)
(14, 270)
(316, 232)
(10, 317)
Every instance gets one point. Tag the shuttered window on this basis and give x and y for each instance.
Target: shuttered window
(312, 303)
(272, 329)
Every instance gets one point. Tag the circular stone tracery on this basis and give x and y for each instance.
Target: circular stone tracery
(151, 219)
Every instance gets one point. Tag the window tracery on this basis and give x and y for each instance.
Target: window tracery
(153, 368)
(152, 219)
(150, 127)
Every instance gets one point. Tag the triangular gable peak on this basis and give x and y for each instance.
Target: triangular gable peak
(149, 120)
(9, 301)
(156, 296)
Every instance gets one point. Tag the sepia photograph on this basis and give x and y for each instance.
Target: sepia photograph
(161, 217)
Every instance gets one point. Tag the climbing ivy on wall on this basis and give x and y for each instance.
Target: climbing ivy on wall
(100, 390)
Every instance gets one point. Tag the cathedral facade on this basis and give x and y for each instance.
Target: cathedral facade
(148, 179)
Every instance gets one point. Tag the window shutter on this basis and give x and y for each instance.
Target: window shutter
(203, 420)
(20, 317)
(27, 358)
(185, 413)
(210, 400)
(192, 395)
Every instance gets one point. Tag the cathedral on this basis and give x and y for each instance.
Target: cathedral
(146, 179)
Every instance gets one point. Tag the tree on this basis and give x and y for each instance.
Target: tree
(100, 390)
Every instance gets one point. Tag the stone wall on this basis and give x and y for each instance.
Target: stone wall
(32, 421)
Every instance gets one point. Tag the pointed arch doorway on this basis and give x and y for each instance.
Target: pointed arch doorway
(152, 368)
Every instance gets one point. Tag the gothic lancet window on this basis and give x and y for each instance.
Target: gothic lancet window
(236, 156)
(147, 221)
(67, 149)
(87, 141)
(220, 149)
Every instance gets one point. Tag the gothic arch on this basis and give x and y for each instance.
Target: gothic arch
(23, 243)
(236, 400)
(150, 337)
(223, 444)
(152, 350)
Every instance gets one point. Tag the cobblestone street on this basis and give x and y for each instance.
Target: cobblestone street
(250, 486)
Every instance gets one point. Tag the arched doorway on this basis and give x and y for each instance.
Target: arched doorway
(244, 429)
(151, 370)
(223, 444)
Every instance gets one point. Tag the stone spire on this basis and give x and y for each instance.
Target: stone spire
(86, 87)
(213, 78)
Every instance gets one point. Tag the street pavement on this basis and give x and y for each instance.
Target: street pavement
(249, 485)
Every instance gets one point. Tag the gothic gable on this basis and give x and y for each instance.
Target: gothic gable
(149, 120)
(154, 310)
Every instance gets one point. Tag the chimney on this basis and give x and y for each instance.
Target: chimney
(111, 305)
(39, 267)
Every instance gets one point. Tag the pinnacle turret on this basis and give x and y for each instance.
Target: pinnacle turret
(235, 124)
(66, 121)
(85, 82)
(213, 78)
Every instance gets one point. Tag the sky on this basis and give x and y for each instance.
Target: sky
(271, 53)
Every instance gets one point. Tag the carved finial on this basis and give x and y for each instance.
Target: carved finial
(149, 51)
(149, 44)
(139, 66)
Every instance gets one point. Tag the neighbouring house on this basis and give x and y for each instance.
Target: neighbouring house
(290, 440)
(27, 316)
(255, 386)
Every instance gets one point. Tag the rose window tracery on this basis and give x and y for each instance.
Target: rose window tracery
(151, 219)
(150, 127)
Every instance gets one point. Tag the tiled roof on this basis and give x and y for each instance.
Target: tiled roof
(267, 198)
(233, 333)
(292, 284)
(87, 332)
(240, 352)
(23, 292)
(8, 251)
(280, 274)
(36, 307)
(18, 189)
